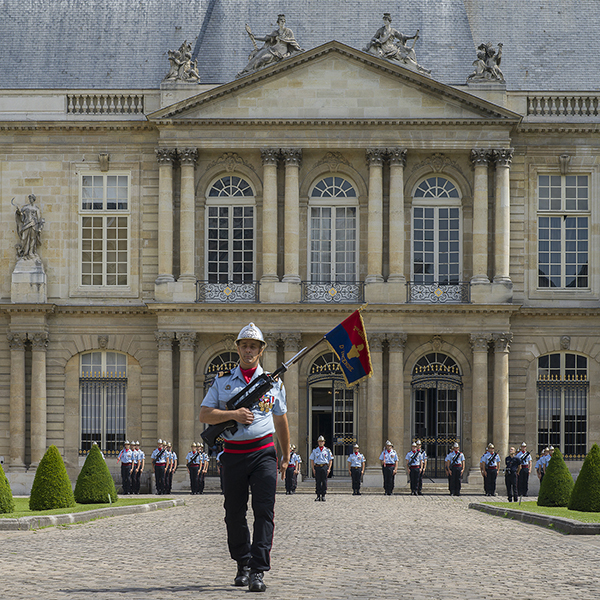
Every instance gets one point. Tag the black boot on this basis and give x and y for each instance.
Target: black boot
(242, 576)
(256, 582)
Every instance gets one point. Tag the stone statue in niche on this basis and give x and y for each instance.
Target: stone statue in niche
(390, 44)
(487, 65)
(29, 228)
(278, 45)
(183, 68)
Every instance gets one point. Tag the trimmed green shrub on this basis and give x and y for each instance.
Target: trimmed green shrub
(51, 486)
(95, 483)
(7, 504)
(557, 483)
(586, 493)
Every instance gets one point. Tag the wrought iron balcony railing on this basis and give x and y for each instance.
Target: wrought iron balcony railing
(229, 291)
(333, 292)
(439, 293)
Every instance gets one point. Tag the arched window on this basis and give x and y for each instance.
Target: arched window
(230, 231)
(103, 395)
(436, 233)
(562, 391)
(226, 361)
(333, 228)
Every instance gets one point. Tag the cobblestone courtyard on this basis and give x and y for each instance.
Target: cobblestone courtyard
(367, 547)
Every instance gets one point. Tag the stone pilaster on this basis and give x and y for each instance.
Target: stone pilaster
(374, 407)
(187, 212)
(291, 346)
(501, 391)
(396, 426)
(166, 158)
(480, 159)
(39, 344)
(375, 157)
(270, 158)
(187, 388)
(164, 408)
(503, 160)
(397, 157)
(292, 158)
(17, 414)
(479, 411)
(269, 357)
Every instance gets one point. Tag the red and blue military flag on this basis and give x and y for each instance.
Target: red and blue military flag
(349, 342)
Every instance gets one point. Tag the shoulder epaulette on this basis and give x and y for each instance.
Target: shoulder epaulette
(223, 373)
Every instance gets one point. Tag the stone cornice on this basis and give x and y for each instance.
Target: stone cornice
(77, 125)
(559, 128)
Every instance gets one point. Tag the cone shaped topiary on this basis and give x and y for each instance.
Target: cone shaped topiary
(586, 493)
(7, 504)
(557, 483)
(51, 486)
(95, 484)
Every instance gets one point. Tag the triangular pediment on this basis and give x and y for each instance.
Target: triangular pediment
(334, 82)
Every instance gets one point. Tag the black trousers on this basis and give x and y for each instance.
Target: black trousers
(159, 475)
(135, 481)
(420, 481)
(168, 481)
(415, 476)
(523, 482)
(255, 471)
(455, 481)
(490, 481)
(201, 477)
(388, 478)
(510, 478)
(321, 479)
(289, 479)
(126, 478)
(355, 473)
(194, 470)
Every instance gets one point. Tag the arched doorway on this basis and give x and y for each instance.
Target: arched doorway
(331, 410)
(436, 390)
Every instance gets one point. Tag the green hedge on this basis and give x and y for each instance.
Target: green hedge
(7, 504)
(95, 483)
(586, 493)
(51, 486)
(557, 483)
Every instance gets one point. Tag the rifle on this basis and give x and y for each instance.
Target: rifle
(247, 397)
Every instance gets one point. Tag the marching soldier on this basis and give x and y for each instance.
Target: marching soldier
(170, 467)
(356, 468)
(489, 469)
(159, 463)
(139, 460)
(192, 461)
(204, 461)
(125, 457)
(423, 466)
(511, 466)
(455, 465)
(291, 471)
(524, 470)
(321, 461)
(389, 466)
(413, 468)
(298, 463)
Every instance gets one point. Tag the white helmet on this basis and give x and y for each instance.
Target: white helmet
(251, 332)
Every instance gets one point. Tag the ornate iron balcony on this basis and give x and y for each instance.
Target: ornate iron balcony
(439, 293)
(229, 291)
(334, 292)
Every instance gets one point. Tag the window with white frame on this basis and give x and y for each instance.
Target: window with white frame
(103, 400)
(230, 231)
(333, 231)
(563, 231)
(104, 211)
(562, 395)
(436, 233)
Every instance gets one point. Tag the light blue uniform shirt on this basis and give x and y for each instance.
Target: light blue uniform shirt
(163, 457)
(356, 459)
(125, 456)
(388, 458)
(193, 457)
(138, 456)
(321, 456)
(455, 462)
(294, 460)
(271, 403)
(487, 459)
(525, 462)
(414, 459)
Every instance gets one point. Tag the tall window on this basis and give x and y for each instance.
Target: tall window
(103, 394)
(104, 230)
(436, 249)
(333, 215)
(563, 231)
(230, 231)
(562, 389)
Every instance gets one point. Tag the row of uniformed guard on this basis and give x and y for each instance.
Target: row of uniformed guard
(132, 466)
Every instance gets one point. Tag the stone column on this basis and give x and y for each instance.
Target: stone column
(502, 236)
(480, 159)
(187, 219)
(187, 390)
(269, 357)
(291, 345)
(165, 157)
(396, 427)
(270, 157)
(501, 391)
(479, 410)
(164, 408)
(39, 343)
(396, 236)
(374, 407)
(17, 413)
(293, 159)
(375, 158)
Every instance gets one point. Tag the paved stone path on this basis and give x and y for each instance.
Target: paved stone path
(367, 547)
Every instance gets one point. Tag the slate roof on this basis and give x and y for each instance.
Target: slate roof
(122, 44)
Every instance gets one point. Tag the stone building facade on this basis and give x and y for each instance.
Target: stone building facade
(464, 213)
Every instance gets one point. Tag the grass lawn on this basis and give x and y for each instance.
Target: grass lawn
(22, 507)
(530, 506)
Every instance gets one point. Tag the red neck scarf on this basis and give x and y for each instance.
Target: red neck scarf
(247, 374)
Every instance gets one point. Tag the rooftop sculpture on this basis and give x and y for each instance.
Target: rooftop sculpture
(183, 68)
(487, 65)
